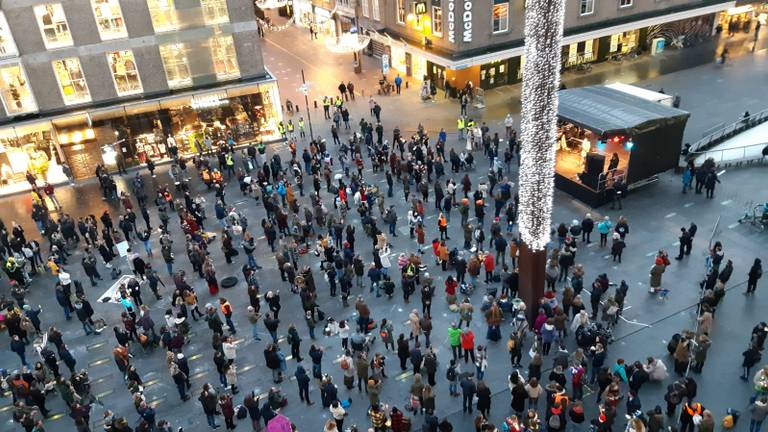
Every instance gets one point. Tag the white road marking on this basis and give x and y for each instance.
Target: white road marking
(686, 205)
(733, 225)
(726, 202)
(673, 214)
(721, 173)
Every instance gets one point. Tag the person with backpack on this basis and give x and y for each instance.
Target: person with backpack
(556, 421)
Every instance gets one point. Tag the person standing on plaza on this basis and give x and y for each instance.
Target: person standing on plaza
(343, 91)
(604, 227)
(755, 273)
(758, 412)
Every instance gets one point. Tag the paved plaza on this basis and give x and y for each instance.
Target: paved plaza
(712, 93)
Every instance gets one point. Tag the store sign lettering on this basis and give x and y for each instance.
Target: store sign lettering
(467, 21)
(452, 21)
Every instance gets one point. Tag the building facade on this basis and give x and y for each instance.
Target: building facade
(482, 40)
(91, 81)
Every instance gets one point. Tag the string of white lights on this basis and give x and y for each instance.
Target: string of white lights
(541, 80)
(275, 27)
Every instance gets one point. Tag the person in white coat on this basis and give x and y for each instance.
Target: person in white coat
(581, 319)
(656, 369)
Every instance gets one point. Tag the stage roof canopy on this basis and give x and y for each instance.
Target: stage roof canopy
(602, 109)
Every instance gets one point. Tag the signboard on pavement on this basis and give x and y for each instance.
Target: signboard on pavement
(385, 63)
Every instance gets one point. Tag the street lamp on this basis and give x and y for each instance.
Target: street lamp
(304, 88)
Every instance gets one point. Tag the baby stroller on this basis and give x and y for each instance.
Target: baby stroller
(466, 288)
(587, 336)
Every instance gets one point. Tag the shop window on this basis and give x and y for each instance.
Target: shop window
(124, 72)
(437, 20)
(176, 65)
(15, 90)
(588, 52)
(500, 16)
(7, 46)
(586, 7)
(109, 19)
(215, 11)
(625, 3)
(364, 7)
(163, 14)
(224, 57)
(400, 4)
(72, 84)
(53, 25)
(375, 13)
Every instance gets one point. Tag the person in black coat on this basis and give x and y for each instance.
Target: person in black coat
(210, 403)
(587, 226)
(468, 389)
(302, 379)
(755, 273)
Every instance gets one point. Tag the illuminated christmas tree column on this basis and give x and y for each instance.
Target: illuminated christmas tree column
(541, 80)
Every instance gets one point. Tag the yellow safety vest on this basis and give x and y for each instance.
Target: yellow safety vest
(460, 123)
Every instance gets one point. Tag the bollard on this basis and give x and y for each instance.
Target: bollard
(362, 92)
(315, 103)
(406, 84)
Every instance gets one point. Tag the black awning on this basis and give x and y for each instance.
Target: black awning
(603, 110)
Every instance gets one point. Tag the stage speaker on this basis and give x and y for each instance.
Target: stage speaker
(594, 164)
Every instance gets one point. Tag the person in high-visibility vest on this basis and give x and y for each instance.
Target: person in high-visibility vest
(326, 107)
(290, 128)
(442, 225)
(230, 163)
(302, 135)
(281, 129)
(460, 126)
(339, 102)
(689, 411)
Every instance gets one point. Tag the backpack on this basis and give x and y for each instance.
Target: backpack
(450, 374)
(242, 412)
(728, 422)
(554, 422)
(344, 363)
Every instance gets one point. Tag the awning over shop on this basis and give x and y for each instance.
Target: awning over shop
(602, 109)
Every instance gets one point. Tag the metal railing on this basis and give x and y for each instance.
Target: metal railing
(729, 131)
(748, 153)
(608, 178)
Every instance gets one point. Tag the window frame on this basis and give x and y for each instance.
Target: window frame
(400, 12)
(23, 74)
(38, 17)
(364, 8)
(375, 11)
(8, 46)
(495, 3)
(114, 74)
(110, 35)
(582, 3)
(215, 5)
(171, 12)
(89, 98)
(626, 4)
(228, 75)
(435, 30)
(187, 82)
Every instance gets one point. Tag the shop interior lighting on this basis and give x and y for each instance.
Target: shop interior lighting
(348, 42)
(541, 81)
(271, 4)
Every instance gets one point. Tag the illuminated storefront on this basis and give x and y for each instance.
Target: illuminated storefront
(137, 132)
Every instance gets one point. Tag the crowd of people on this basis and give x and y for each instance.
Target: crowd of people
(460, 231)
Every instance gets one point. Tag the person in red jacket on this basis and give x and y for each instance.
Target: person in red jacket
(468, 345)
(490, 265)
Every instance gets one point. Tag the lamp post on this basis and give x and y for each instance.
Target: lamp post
(305, 89)
(541, 81)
